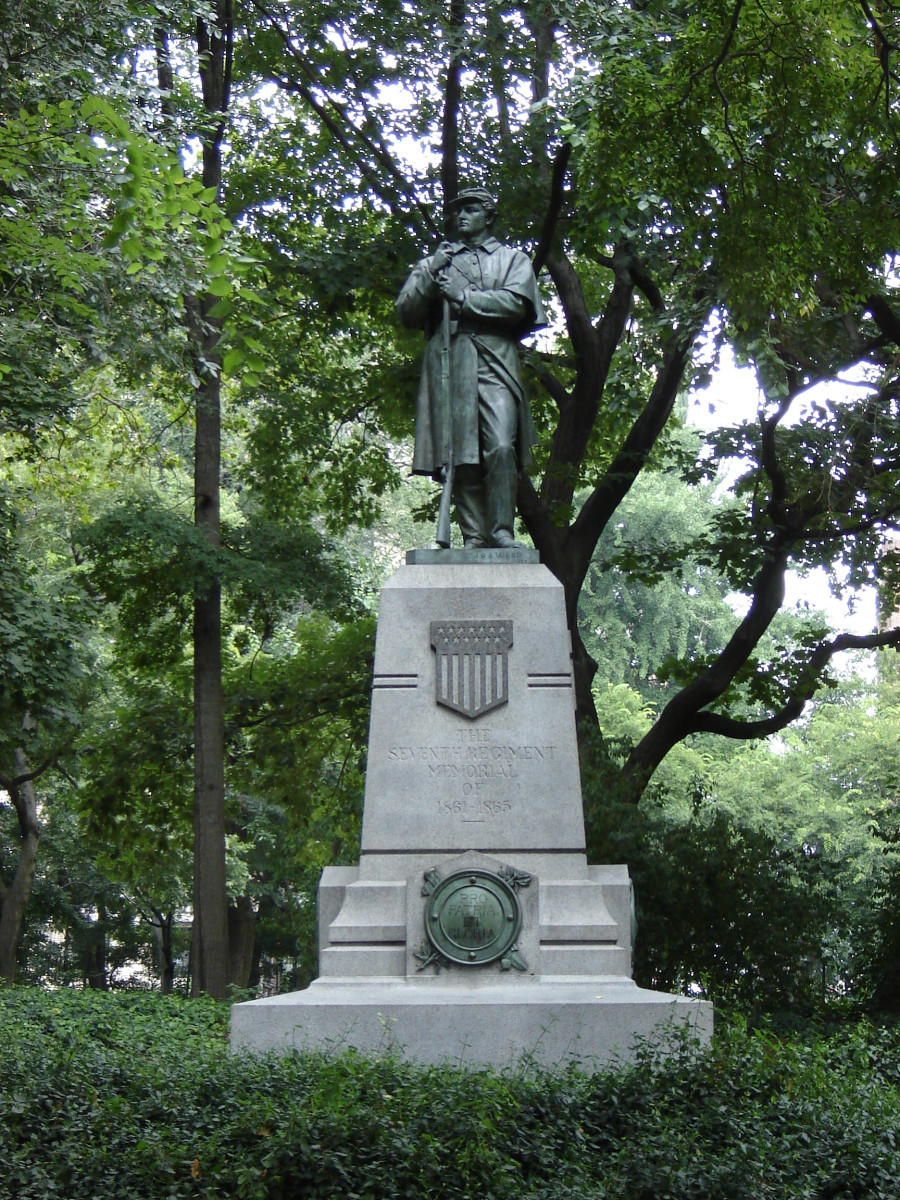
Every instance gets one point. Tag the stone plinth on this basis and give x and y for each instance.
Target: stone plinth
(473, 797)
(593, 1024)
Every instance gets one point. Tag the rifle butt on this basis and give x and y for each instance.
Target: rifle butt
(442, 536)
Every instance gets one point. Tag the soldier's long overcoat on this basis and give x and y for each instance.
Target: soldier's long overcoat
(501, 305)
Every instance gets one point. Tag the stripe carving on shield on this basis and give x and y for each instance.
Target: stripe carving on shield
(471, 669)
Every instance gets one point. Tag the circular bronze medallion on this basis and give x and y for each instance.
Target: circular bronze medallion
(473, 917)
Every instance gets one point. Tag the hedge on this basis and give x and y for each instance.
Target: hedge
(136, 1096)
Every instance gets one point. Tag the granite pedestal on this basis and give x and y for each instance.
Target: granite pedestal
(472, 817)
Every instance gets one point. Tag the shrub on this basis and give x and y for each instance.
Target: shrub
(127, 1096)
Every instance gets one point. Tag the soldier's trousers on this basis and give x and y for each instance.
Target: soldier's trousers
(485, 494)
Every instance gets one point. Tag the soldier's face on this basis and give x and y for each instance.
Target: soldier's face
(471, 220)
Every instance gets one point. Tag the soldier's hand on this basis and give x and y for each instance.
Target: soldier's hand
(441, 258)
(452, 291)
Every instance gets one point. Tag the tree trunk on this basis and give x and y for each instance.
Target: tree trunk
(210, 948)
(241, 938)
(210, 898)
(96, 976)
(14, 899)
(162, 931)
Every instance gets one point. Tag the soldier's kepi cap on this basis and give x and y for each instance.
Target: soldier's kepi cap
(479, 195)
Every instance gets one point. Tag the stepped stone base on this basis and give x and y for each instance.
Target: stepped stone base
(592, 1023)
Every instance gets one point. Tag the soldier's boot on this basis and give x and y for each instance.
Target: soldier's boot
(471, 513)
(500, 481)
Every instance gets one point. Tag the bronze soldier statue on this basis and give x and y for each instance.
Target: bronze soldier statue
(474, 298)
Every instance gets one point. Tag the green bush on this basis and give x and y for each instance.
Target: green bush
(722, 910)
(136, 1096)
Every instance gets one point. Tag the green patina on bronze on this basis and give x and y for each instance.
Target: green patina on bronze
(473, 917)
(474, 298)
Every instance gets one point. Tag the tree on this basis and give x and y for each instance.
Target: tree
(95, 217)
(41, 645)
(741, 849)
(215, 55)
(235, 333)
(830, 789)
(674, 170)
(769, 146)
(94, 195)
(635, 623)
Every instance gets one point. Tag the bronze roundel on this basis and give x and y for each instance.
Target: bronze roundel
(473, 917)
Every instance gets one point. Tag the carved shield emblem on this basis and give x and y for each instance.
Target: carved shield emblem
(471, 671)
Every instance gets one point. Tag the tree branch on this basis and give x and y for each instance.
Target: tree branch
(554, 206)
(496, 33)
(884, 317)
(615, 315)
(884, 48)
(726, 45)
(575, 309)
(547, 536)
(165, 75)
(677, 718)
(216, 56)
(555, 389)
(825, 536)
(632, 455)
(769, 458)
(345, 131)
(646, 285)
(10, 783)
(707, 722)
(594, 350)
(683, 714)
(714, 68)
(544, 39)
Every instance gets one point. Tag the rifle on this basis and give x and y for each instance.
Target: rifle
(442, 536)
